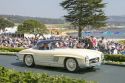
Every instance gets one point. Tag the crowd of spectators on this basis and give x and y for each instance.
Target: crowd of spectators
(21, 42)
(89, 42)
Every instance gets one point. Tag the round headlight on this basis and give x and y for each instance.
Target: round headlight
(102, 56)
(86, 59)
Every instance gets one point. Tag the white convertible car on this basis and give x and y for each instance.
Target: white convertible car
(47, 54)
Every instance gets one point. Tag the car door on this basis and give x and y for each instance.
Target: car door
(44, 56)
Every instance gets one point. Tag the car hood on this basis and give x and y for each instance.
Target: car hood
(80, 52)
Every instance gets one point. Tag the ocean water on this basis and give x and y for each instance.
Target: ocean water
(112, 33)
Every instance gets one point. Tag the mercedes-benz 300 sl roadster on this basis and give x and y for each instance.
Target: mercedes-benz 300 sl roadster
(47, 53)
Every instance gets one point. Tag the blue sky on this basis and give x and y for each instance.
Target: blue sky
(51, 8)
(115, 7)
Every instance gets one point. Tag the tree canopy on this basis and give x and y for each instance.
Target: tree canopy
(4, 23)
(32, 27)
(84, 13)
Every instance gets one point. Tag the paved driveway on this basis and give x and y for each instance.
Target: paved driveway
(104, 74)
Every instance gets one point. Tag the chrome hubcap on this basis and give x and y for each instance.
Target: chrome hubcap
(28, 60)
(71, 64)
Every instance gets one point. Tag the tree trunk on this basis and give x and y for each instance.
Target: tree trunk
(80, 32)
(35, 36)
(43, 36)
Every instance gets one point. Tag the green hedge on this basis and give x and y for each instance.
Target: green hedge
(119, 58)
(122, 42)
(10, 49)
(12, 76)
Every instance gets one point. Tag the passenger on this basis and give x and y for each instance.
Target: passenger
(44, 46)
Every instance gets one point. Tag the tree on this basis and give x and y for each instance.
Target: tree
(4, 23)
(84, 13)
(32, 27)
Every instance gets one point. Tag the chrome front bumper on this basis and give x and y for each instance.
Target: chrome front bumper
(94, 64)
(83, 64)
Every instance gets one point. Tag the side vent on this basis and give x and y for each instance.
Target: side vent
(55, 59)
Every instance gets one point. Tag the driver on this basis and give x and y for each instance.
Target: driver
(44, 47)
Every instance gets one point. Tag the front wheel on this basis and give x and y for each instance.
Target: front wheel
(71, 64)
(29, 60)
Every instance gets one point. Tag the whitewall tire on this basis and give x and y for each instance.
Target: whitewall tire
(29, 60)
(71, 64)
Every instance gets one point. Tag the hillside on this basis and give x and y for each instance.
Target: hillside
(117, 20)
(20, 19)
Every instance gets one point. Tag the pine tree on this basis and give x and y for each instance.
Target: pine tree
(84, 13)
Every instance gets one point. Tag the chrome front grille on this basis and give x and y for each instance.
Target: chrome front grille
(94, 60)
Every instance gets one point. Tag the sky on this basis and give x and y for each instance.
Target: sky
(51, 8)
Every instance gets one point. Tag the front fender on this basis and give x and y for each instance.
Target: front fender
(20, 56)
